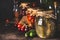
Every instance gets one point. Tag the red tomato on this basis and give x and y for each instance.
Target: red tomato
(19, 26)
(23, 28)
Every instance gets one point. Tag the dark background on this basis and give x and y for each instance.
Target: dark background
(6, 7)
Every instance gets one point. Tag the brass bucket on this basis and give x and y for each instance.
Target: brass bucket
(45, 28)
